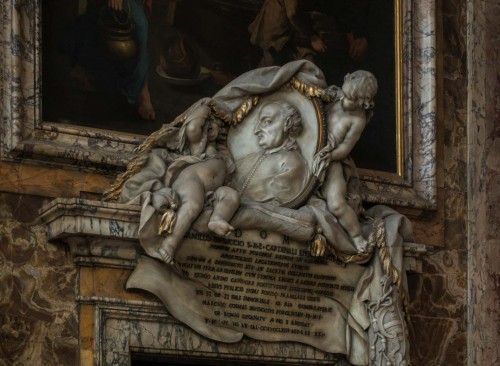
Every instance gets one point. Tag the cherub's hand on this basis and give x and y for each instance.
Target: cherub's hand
(116, 4)
(164, 199)
(329, 146)
(332, 94)
(320, 163)
(322, 159)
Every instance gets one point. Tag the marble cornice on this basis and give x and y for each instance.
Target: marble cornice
(108, 231)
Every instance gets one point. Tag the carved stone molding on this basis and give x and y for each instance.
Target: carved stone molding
(138, 330)
(109, 230)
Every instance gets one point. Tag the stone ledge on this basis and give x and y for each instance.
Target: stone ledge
(99, 229)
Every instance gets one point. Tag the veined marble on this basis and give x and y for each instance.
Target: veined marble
(483, 146)
(38, 311)
(438, 294)
(159, 334)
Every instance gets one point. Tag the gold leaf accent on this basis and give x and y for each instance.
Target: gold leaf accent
(238, 115)
(135, 165)
(307, 90)
(167, 222)
(318, 246)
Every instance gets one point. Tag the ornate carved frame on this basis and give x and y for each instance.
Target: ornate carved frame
(27, 138)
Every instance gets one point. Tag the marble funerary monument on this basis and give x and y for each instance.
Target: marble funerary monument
(248, 211)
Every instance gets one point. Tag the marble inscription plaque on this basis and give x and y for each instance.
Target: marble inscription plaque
(259, 284)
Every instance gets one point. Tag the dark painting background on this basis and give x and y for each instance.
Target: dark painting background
(218, 31)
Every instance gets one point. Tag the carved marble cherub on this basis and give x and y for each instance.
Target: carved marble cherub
(191, 179)
(348, 115)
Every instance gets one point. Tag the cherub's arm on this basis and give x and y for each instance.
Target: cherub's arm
(196, 123)
(343, 148)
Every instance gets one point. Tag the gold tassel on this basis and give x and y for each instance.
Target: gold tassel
(167, 222)
(318, 246)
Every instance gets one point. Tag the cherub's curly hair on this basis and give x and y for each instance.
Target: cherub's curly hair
(362, 85)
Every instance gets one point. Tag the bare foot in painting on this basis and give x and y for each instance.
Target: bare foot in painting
(144, 105)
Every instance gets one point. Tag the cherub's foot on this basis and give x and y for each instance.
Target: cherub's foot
(220, 227)
(166, 256)
(360, 243)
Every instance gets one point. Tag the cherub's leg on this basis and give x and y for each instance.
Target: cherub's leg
(335, 190)
(227, 201)
(192, 196)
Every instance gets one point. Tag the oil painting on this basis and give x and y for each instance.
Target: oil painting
(133, 65)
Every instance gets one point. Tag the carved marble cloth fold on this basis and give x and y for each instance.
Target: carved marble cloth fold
(267, 80)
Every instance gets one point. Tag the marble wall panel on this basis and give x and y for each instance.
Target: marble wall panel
(454, 123)
(484, 181)
(437, 310)
(38, 319)
(439, 293)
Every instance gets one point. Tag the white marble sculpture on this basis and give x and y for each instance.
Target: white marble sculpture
(347, 116)
(261, 156)
(191, 178)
